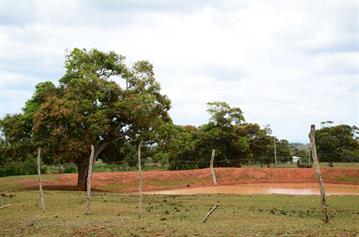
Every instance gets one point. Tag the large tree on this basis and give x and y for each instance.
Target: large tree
(221, 134)
(89, 107)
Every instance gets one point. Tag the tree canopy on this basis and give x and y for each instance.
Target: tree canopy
(89, 107)
(337, 143)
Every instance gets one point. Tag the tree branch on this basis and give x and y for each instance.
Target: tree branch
(100, 149)
(210, 212)
(7, 205)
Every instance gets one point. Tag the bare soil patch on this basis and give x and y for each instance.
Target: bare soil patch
(165, 180)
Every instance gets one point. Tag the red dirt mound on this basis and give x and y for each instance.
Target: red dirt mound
(163, 180)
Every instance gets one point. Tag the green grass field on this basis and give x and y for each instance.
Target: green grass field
(117, 215)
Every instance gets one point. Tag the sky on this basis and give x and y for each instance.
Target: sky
(284, 63)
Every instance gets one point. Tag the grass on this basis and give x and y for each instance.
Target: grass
(117, 215)
(349, 179)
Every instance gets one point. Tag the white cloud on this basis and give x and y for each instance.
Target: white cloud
(288, 65)
(343, 62)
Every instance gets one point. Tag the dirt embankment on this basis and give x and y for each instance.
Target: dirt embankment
(164, 180)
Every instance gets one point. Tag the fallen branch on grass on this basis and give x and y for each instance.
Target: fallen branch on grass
(210, 212)
(7, 205)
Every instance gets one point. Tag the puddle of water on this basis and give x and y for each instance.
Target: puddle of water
(287, 189)
(292, 191)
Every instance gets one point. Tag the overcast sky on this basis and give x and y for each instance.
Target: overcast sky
(284, 64)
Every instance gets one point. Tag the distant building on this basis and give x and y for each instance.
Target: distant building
(296, 158)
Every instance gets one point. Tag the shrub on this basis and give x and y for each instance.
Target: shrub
(70, 168)
(26, 167)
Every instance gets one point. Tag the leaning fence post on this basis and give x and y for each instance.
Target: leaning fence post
(42, 198)
(88, 196)
(212, 169)
(319, 176)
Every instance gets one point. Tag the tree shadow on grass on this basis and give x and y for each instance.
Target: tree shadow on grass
(60, 188)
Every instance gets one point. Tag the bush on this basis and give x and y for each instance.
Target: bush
(26, 167)
(70, 168)
(161, 157)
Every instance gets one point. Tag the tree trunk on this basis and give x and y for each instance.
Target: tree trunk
(83, 166)
(82, 170)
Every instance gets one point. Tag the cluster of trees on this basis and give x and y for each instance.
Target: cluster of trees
(234, 140)
(104, 102)
(334, 143)
(338, 143)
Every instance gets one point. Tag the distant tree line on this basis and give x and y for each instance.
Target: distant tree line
(102, 101)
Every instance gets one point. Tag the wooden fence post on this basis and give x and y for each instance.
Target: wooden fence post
(42, 198)
(319, 176)
(275, 152)
(212, 169)
(88, 196)
(140, 179)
